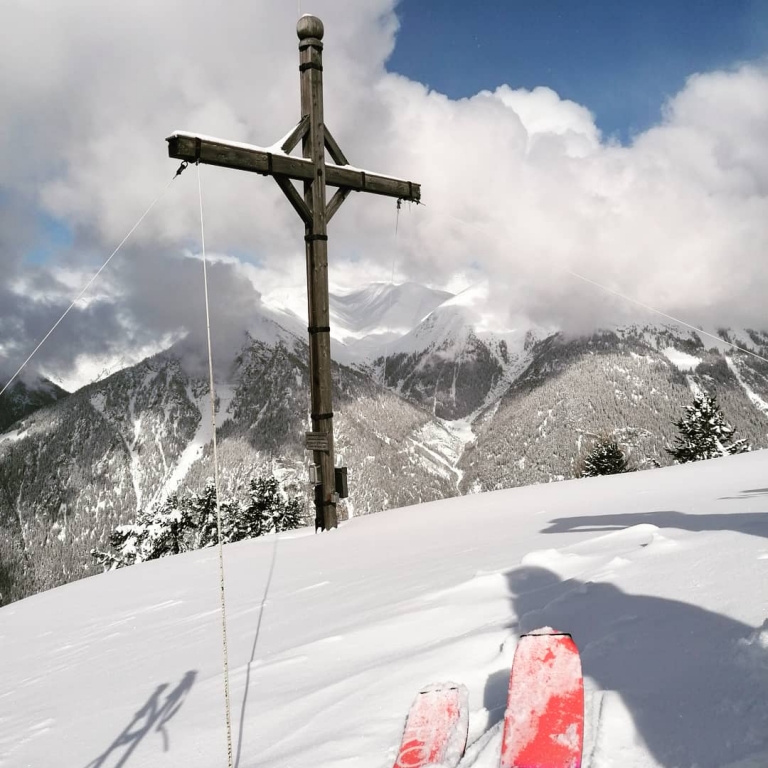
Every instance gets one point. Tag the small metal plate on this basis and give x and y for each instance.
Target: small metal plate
(317, 441)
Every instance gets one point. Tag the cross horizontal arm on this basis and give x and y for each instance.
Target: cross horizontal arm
(246, 157)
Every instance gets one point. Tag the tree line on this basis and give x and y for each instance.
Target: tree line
(703, 433)
(182, 524)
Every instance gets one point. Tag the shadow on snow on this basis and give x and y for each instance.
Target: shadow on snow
(751, 523)
(244, 703)
(691, 680)
(153, 715)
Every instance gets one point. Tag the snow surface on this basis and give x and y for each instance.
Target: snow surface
(681, 360)
(364, 321)
(13, 435)
(661, 576)
(203, 435)
(754, 398)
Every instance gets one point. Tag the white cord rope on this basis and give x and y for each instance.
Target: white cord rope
(623, 296)
(87, 285)
(216, 483)
(664, 314)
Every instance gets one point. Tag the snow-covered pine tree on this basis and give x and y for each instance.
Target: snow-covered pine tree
(179, 525)
(290, 516)
(262, 506)
(157, 532)
(266, 510)
(605, 458)
(704, 433)
(202, 505)
(203, 510)
(171, 526)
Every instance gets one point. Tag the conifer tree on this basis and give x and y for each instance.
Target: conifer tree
(179, 525)
(605, 458)
(704, 433)
(203, 509)
(266, 510)
(290, 516)
(263, 504)
(158, 532)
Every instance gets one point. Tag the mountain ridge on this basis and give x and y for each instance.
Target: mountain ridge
(458, 407)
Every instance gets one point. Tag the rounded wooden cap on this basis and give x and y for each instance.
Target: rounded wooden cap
(310, 26)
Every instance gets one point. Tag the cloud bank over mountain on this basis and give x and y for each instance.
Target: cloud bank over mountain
(520, 187)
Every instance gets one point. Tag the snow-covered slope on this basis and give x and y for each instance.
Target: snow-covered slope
(364, 321)
(383, 308)
(26, 396)
(459, 359)
(659, 575)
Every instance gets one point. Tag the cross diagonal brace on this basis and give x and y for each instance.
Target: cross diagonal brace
(246, 157)
(294, 198)
(334, 149)
(335, 202)
(296, 135)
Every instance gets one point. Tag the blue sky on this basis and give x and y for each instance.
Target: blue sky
(620, 59)
(55, 235)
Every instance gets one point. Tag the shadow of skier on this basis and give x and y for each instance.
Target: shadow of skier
(691, 680)
(152, 714)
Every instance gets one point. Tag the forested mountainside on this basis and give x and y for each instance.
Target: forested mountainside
(622, 383)
(531, 404)
(25, 397)
(71, 472)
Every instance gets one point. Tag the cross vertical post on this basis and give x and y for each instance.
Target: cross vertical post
(310, 31)
(315, 174)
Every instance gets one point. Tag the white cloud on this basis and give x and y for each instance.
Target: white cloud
(519, 185)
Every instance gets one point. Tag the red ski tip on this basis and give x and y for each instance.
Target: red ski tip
(544, 721)
(436, 728)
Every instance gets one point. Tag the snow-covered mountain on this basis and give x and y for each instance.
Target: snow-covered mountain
(458, 404)
(25, 396)
(659, 576)
(458, 359)
(629, 382)
(71, 472)
(365, 321)
(381, 312)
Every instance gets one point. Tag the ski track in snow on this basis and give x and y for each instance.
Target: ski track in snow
(331, 636)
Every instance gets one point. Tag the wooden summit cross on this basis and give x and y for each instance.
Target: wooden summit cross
(316, 174)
